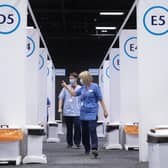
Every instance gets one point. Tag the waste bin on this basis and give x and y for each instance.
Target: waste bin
(131, 132)
(10, 138)
(158, 147)
(60, 127)
(53, 132)
(100, 129)
(113, 132)
(35, 154)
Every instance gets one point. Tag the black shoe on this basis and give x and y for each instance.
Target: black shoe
(87, 152)
(77, 146)
(69, 146)
(95, 153)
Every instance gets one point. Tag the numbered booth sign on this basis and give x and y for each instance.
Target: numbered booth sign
(130, 47)
(30, 48)
(9, 19)
(41, 61)
(116, 62)
(155, 20)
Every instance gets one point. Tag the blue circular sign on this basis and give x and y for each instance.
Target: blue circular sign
(41, 62)
(30, 46)
(9, 18)
(154, 24)
(108, 71)
(130, 47)
(116, 62)
(48, 71)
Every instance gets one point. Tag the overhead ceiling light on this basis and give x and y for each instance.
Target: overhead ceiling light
(104, 31)
(111, 13)
(102, 35)
(105, 28)
(29, 27)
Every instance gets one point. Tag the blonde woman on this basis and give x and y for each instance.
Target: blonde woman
(90, 94)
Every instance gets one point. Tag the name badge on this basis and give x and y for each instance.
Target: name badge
(70, 100)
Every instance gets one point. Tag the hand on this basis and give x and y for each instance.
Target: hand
(63, 84)
(105, 114)
(59, 110)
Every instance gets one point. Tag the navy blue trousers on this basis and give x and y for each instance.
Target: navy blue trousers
(89, 133)
(73, 130)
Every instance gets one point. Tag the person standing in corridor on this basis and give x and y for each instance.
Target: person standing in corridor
(71, 112)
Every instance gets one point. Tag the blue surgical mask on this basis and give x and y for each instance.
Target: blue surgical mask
(81, 81)
(72, 81)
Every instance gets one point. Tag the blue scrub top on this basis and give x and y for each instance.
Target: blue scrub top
(71, 106)
(89, 101)
(48, 102)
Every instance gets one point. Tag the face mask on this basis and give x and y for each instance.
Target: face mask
(81, 81)
(72, 81)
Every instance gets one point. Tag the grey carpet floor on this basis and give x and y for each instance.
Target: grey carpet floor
(58, 156)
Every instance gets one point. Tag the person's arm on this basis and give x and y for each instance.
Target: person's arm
(104, 108)
(100, 98)
(60, 104)
(61, 98)
(70, 90)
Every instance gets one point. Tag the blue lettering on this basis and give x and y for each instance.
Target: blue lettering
(158, 20)
(162, 20)
(133, 47)
(154, 20)
(10, 19)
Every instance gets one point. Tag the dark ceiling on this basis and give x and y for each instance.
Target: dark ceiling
(68, 27)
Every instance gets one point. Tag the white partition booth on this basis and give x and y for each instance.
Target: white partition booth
(106, 84)
(105, 88)
(42, 87)
(35, 133)
(33, 152)
(59, 75)
(12, 72)
(50, 115)
(35, 130)
(52, 126)
(31, 75)
(152, 31)
(113, 127)
(97, 78)
(51, 90)
(101, 120)
(23, 105)
(129, 88)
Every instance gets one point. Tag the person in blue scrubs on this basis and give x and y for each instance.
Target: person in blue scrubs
(90, 94)
(71, 112)
(48, 106)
